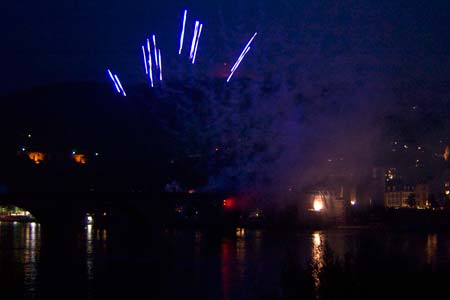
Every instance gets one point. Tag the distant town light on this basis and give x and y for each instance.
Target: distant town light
(36, 157)
(79, 158)
(240, 232)
(23, 149)
(353, 202)
(405, 146)
(318, 203)
(447, 192)
(29, 135)
(89, 219)
(96, 153)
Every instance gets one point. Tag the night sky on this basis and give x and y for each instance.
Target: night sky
(403, 43)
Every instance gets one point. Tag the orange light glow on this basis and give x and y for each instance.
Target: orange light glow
(318, 203)
(191, 191)
(37, 157)
(79, 158)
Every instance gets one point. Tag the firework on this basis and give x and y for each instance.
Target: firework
(120, 85)
(194, 38)
(238, 63)
(149, 49)
(182, 33)
(115, 83)
(150, 73)
(145, 59)
(241, 57)
(196, 44)
(160, 65)
(243, 51)
(156, 51)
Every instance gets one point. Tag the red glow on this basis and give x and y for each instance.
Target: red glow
(229, 203)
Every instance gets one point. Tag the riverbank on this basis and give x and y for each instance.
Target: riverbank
(22, 219)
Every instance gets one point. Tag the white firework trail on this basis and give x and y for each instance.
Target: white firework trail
(241, 57)
(149, 61)
(145, 59)
(244, 50)
(156, 51)
(114, 80)
(120, 85)
(160, 65)
(238, 63)
(150, 70)
(196, 44)
(194, 38)
(182, 33)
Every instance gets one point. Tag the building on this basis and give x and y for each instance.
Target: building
(397, 193)
(422, 192)
(327, 202)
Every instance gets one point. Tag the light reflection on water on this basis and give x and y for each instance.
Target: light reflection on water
(241, 247)
(19, 257)
(32, 237)
(90, 251)
(96, 244)
(431, 247)
(317, 256)
(238, 264)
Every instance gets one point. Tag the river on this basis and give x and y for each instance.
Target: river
(185, 264)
